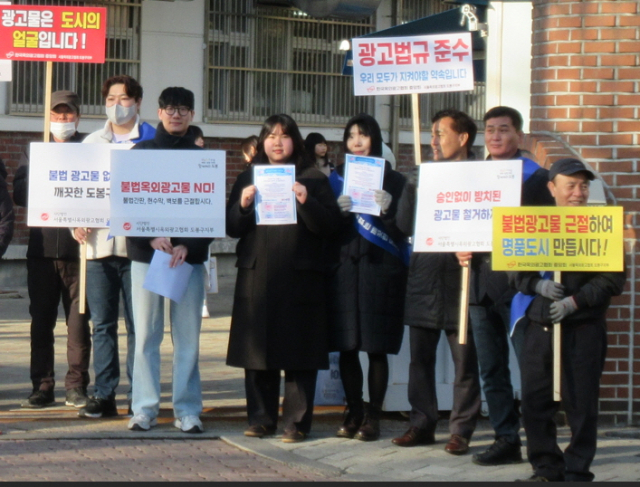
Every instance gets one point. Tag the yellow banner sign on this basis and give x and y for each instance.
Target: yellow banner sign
(549, 238)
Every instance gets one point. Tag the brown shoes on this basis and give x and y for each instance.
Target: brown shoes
(414, 436)
(457, 445)
(259, 430)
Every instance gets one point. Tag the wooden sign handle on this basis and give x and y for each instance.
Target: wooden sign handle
(557, 352)
(464, 305)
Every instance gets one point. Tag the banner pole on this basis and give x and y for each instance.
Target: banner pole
(415, 112)
(464, 305)
(557, 354)
(47, 100)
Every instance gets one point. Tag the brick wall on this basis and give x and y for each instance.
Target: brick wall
(585, 102)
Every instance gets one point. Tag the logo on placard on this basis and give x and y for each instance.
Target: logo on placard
(10, 54)
(371, 89)
(429, 242)
(44, 217)
(127, 226)
(511, 264)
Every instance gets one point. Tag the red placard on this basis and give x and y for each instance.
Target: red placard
(59, 34)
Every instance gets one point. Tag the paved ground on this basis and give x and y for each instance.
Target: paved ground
(55, 445)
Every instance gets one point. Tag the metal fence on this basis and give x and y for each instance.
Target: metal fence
(122, 57)
(265, 60)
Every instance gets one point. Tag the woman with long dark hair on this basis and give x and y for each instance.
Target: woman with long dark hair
(316, 146)
(279, 314)
(366, 286)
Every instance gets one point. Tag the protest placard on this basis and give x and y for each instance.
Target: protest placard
(53, 33)
(69, 184)
(585, 238)
(168, 193)
(416, 64)
(456, 202)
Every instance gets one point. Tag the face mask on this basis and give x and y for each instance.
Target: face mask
(119, 115)
(63, 130)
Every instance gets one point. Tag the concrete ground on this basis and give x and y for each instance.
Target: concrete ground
(53, 444)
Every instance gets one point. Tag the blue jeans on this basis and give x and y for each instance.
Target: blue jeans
(186, 319)
(490, 325)
(106, 279)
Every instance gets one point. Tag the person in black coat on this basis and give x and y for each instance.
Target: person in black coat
(432, 306)
(279, 316)
(366, 286)
(7, 216)
(580, 304)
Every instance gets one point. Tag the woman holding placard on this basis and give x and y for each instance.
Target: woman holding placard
(366, 285)
(279, 314)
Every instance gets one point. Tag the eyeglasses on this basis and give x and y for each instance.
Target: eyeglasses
(183, 111)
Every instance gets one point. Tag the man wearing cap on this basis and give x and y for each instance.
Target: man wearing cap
(52, 274)
(580, 304)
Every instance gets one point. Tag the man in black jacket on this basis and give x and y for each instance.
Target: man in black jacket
(490, 296)
(432, 305)
(173, 132)
(7, 216)
(580, 304)
(52, 273)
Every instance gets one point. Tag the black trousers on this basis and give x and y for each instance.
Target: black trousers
(48, 281)
(422, 382)
(584, 348)
(263, 398)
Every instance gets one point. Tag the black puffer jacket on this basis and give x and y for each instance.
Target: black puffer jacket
(592, 292)
(433, 286)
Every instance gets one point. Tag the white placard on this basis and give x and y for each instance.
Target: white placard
(415, 64)
(362, 176)
(275, 199)
(455, 201)
(168, 193)
(69, 184)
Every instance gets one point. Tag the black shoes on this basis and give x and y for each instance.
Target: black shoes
(370, 429)
(77, 397)
(293, 436)
(39, 399)
(500, 453)
(352, 422)
(99, 408)
(534, 478)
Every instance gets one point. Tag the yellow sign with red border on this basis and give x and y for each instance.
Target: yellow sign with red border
(549, 238)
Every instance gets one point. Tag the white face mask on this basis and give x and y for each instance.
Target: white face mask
(119, 115)
(63, 130)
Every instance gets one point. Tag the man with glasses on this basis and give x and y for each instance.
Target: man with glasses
(173, 132)
(53, 273)
(108, 268)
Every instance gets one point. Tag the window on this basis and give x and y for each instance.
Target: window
(122, 57)
(266, 60)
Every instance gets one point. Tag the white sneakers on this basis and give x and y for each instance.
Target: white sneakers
(189, 424)
(142, 422)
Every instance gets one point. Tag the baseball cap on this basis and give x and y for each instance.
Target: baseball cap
(68, 98)
(569, 166)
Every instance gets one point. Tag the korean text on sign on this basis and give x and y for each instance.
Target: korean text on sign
(420, 64)
(53, 33)
(558, 238)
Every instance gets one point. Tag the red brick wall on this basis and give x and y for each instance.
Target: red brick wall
(584, 94)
